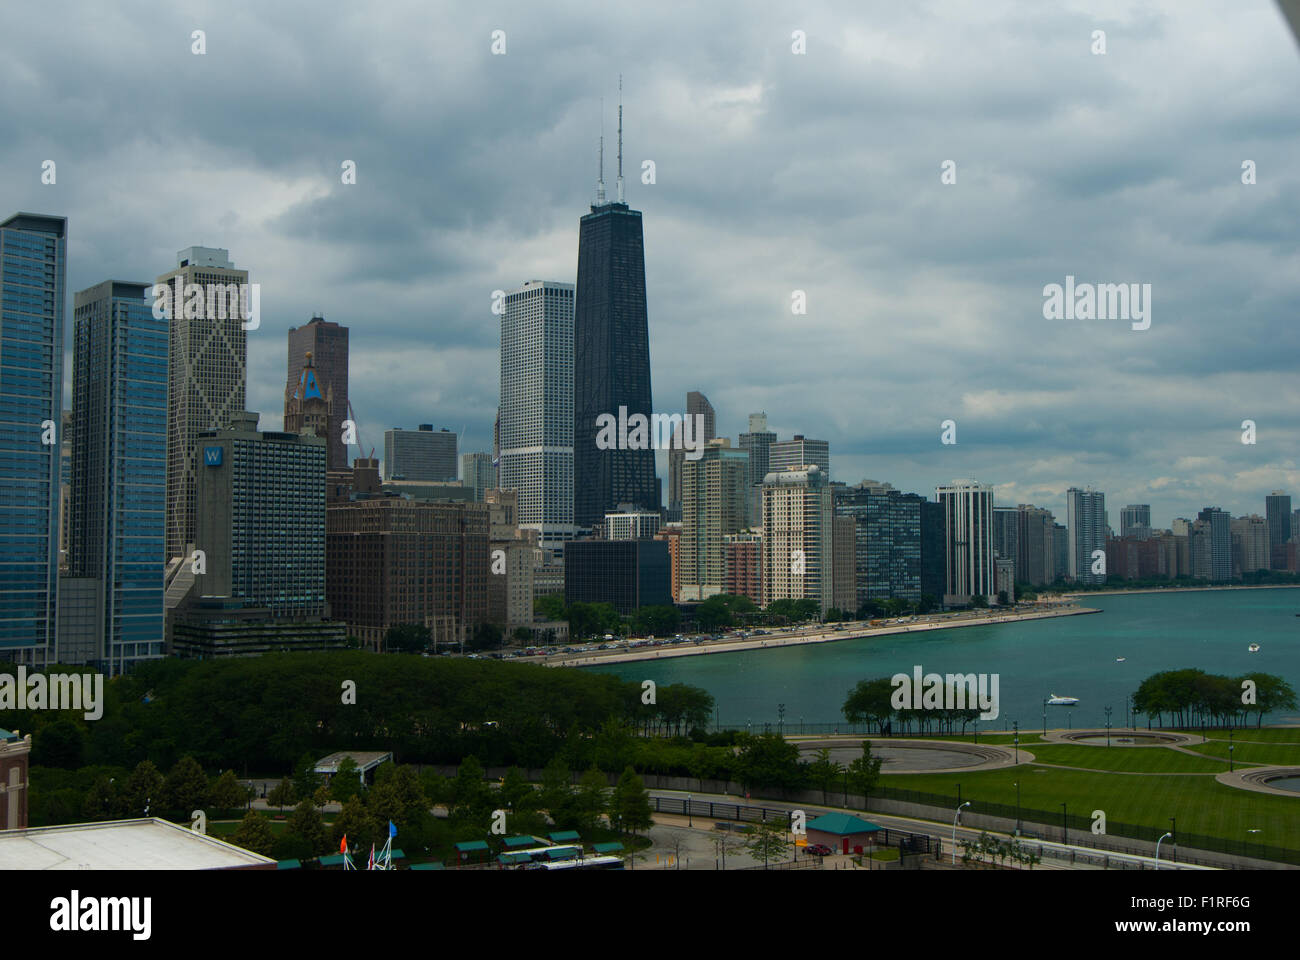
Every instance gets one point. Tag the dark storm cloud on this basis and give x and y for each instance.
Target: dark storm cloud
(775, 173)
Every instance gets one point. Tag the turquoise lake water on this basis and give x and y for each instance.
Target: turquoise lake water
(1068, 656)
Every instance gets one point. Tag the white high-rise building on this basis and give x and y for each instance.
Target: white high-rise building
(206, 369)
(537, 407)
(971, 568)
(797, 536)
(1086, 522)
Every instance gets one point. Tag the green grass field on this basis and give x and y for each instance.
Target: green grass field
(1200, 804)
(1126, 759)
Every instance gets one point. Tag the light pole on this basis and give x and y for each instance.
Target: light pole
(956, 817)
(689, 822)
(1016, 739)
(1173, 838)
(1108, 726)
(1167, 836)
(1065, 829)
(1230, 750)
(1017, 808)
(1044, 716)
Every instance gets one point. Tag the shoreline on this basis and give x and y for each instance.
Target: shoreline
(1114, 593)
(827, 636)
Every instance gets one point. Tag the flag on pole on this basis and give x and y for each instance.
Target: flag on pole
(343, 847)
(392, 829)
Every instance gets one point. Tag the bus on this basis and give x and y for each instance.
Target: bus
(586, 863)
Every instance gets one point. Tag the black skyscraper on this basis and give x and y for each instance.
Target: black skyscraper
(611, 357)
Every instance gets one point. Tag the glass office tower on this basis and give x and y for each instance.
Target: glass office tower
(33, 270)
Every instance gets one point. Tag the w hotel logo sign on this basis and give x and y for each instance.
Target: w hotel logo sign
(212, 456)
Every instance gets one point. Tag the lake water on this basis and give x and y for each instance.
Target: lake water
(1067, 656)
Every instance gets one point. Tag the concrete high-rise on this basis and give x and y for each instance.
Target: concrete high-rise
(479, 473)
(536, 410)
(119, 474)
(1277, 512)
(260, 510)
(206, 371)
(1135, 521)
(1250, 545)
(714, 492)
(1211, 545)
(968, 534)
(697, 405)
(1086, 526)
(798, 537)
(887, 541)
(799, 453)
(423, 455)
(611, 361)
(327, 342)
(33, 272)
(758, 441)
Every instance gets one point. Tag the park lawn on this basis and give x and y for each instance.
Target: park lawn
(1269, 753)
(1131, 759)
(1262, 735)
(1201, 804)
(1006, 739)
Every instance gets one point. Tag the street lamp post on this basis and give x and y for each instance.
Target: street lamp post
(1065, 827)
(1044, 716)
(1167, 836)
(1108, 726)
(1016, 739)
(1230, 750)
(1017, 808)
(689, 822)
(956, 817)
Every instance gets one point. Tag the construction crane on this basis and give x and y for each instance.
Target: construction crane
(352, 415)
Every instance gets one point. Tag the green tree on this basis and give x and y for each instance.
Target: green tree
(226, 792)
(824, 771)
(407, 638)
(864, 772)
(768, 841)
(471, 797)
(979, 601)
(356, 823)
(186, 786)
(870, 702)
(713, 614)
(305, 777)
(516, 793)
(254, 833)
(282, 794)
(59, 744)
(321, 796)
(550, 606)
(768, 760)
(656, 621)
(591, 800)
(101, 802)
(556, 792)
(141, 796)
(486, 636)
(630, 803)
(305, 822)
(346, 782)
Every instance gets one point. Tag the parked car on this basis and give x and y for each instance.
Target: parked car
(818, 850)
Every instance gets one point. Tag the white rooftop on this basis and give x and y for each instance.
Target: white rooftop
(120, 845)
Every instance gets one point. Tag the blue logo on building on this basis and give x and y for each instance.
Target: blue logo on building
(212, 456)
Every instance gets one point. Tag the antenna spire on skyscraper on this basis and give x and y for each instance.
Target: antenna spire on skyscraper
(600, 177)
(620, 138)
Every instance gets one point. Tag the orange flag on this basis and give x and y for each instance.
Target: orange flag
(343, 847)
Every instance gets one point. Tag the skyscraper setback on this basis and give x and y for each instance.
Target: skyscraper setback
(206, 380)
(611, 355)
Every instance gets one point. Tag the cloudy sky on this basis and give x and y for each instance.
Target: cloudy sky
(775, 172)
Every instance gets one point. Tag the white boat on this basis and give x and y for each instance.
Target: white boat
(1120, 659)
(1253, 648)
(1056, 701)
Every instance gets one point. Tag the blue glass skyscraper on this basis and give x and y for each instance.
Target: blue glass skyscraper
(119, 473)
(33, 270)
